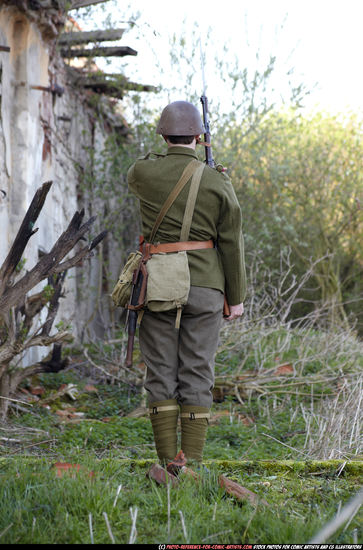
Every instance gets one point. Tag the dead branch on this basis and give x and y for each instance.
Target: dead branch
(49, 264)
(25, 232)
(18, 311)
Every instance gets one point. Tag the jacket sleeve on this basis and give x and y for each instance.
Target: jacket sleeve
(231, 245)
(131, 180)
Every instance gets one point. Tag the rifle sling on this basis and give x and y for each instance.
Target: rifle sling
(192, 197)
(188, 172)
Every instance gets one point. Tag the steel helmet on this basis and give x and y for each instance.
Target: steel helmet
(180, 118)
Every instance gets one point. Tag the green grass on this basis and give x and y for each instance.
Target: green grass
(125, 437)
(41, 508)
(266, 455)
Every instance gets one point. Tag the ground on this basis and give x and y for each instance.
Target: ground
(73, 470)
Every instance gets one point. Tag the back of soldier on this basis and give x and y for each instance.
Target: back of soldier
(180, 362)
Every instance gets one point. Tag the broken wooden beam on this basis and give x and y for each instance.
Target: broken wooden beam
(83, 3)
(114, 87)
(111, 51)
(53, 89)
(71, 38)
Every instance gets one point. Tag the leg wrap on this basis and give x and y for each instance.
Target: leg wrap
(164, 419)
(194, 424)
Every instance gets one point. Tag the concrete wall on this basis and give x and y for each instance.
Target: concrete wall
(42, 137)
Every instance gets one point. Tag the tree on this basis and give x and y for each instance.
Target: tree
(300, 183)
(19, 328)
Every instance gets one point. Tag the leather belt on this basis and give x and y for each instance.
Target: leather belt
(179, 246)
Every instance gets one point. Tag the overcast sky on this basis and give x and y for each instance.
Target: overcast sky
(321, 39)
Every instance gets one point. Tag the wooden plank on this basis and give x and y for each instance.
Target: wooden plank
(83, 3)
(70, 38)
(116, 51)
(115, 86)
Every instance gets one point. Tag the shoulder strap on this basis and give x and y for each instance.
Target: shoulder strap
(184, 178)
(192, 197)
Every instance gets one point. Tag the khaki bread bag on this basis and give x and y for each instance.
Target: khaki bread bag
(122, 291)
(168, 273)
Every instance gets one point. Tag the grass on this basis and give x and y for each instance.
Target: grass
(267, 438)
(37, 507)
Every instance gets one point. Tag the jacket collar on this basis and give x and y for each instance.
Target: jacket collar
(180, 150)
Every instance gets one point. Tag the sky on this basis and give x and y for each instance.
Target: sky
(321, 40)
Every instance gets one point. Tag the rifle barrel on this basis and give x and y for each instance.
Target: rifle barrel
(208, 149)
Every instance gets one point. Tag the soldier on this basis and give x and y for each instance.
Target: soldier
(180, 362)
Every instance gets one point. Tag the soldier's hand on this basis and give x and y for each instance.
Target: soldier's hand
(235, 312)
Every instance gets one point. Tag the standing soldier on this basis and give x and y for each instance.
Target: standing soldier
(180, 361)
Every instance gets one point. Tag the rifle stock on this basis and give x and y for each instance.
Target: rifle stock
(137, 300)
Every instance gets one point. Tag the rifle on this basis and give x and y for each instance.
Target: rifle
(208, 149)
(137, 299)
(210, 161)
(207, 144)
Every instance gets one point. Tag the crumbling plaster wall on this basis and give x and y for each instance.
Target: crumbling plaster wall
(43, 137)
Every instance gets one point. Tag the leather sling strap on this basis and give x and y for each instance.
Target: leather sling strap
(185, 177)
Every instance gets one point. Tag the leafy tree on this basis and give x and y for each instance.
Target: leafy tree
(300, 182)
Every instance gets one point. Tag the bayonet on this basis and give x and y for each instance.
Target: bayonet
(207, 139)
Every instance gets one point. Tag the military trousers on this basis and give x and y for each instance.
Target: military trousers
(180, 362)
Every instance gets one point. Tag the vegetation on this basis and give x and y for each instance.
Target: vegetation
(286, 418)
(300, 183)
(38, 507)
(275, 432)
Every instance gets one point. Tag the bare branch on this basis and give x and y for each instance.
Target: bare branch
(48, 264)
(25, 232)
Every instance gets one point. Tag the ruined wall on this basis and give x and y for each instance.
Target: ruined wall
(43, 136)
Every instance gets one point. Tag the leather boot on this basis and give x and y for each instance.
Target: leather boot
(194, 424)
(164, 419)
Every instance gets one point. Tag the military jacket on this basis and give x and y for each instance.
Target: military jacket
(217, 215)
